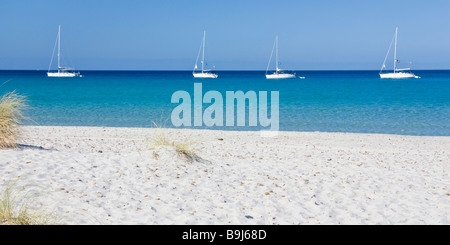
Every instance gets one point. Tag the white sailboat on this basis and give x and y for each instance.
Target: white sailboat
(278, 73)
(203, 73)
(398, 73)
(62, 71)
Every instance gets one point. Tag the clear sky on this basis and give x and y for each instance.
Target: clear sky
(166, 35)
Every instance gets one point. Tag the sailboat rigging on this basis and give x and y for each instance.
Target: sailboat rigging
(203, 73)
(62, 71)
(397, 73)
(278, 73)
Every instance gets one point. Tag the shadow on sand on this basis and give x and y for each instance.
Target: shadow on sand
(24, 147)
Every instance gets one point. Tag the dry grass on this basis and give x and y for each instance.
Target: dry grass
(11, 108)
(160, 139)
(183, 149)
(15, 208)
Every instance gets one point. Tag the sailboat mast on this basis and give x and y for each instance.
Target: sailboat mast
(276, 43)
(203, 54)
(59, 47)
(395, 50)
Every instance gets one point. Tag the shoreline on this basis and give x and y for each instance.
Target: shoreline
(116, 175)
(221, 130)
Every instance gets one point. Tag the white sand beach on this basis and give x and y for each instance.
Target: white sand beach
(97, 175)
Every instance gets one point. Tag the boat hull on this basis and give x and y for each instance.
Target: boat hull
(205, 75)
(398, 75)
(62, 74)
(279, 76)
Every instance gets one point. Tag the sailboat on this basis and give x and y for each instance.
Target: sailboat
(278, 73)
(204, 73)
(398, 73)
(62, 71)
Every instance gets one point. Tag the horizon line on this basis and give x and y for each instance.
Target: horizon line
(437, 69)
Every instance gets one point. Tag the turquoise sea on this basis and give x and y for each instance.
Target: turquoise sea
(327, 101)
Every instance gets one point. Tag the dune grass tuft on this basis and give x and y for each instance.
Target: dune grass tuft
(160, 139)
(11, 108)
(183, 149)
(15, 209)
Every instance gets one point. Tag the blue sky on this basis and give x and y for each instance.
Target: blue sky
(166, 35)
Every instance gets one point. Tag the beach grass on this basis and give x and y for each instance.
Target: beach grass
(183, 149)
(15, 208)
(160, 139)
(11, 113)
